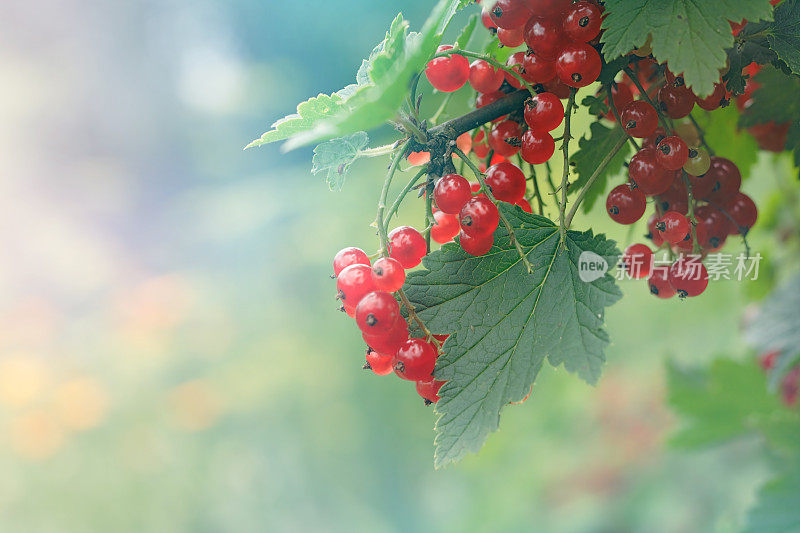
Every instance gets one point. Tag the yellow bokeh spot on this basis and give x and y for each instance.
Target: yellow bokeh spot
(194, 405)
(80, 403)
(36, 434)
(22, 380)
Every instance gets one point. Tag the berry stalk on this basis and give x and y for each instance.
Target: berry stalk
(565, 175)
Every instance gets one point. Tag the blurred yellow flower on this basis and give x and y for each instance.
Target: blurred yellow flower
(23, 378)
(36, 434)
(81, 403)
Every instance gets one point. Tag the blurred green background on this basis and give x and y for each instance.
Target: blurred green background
(171, 357)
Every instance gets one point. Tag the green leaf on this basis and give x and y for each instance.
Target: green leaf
(591, 152)
(776, 509)
(690, 35)
(391, 48)
(335, 157)
(722, 132)
(784, 34)
(778, 99)
(503, 322)
(596, 105)
(466, 33)
(751, 47)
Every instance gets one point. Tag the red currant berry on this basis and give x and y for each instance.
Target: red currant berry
(544, 112)
(415, 360)
(506, 138)
(744, 213)
(647, 174)
(515, 62)
(715, 100)
(545, 37)
(448, 74)
(511, 38)
(377, 313)
(537, 70)
(429, 390)
(388, 345)
(348, 256)
(479, 217)
(659, 283)
(407, 246)
(790, 387)
(487, 98)
(451, 193)
(558, 88)
(638, 260)
(622, 96)
(525, 205)
(486, 20)
(548, 8)
(672, 153)
(625, 205)
(652, 234)
(353, 283)
(689, 277)
(676, 198)
(388, 274)
(476, 245)
(578, 65)
(485, 78)
(582, 22)
(677, 102)
(726, 179)
(379, 364)
(445, 227)
(509, 14)
(673, 227)
(639, 119)
(771, 136)
(712, 227)
(479, 146)
(418, 158)
(687, 244)
(768, 359)
(652, 141)
(506, 181)
(537, 148)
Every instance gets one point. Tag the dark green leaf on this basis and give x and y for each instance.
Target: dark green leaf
(784, 34)
(596, 105)
(335, 157)
(591, 152)
(503, 322)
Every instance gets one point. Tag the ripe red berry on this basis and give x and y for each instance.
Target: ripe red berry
(582, 21)
(718, 98)
(688, 276)
(451, 193)
(479, 146)
(537, 147)
(625, 205)
(639, 119)
(348, 256)
(537, 70)
(525, 205)
(673, 227)
(388, 344)
(647, 174)
(476, 245)
(558, 88)
(676, 198)
(388, 274)
(429, 390)
(509, 14)
(506, 181)
(545, 37)
(672, 153)
(622, 96)
(377, 313)
(652, 234)
(447, 74)
(485, 78)
(651, 141)
(486, 20)
(578, 65)
(638, 260)
(744, 213)
(712, 227)
(415, 360)
(676, 102)
(511, 38)
(407, 246)
(353, 283)
(548, 8)
(659, 283)
(479, 217)
(445, 227)
(726, 180)
(544, 112)
(379, 364)
(506, 138)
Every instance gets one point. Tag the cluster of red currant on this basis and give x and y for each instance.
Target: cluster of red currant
(771, 136)
(790, 384)
(366, 292)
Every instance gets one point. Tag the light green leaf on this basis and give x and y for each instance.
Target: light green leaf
(504, 323)
(690, 35)
(591, 151)
(776, 509)
(335, 157)
(466, 32)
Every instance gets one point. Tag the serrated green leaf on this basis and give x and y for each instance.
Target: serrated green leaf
(504, 323)
(595, 105)
(335, 157)
(751, 47)
(591, 152)
(466, 32)
(784, 34)
(392, 49)
(778, 99)
(776, 509)
(690, 35)
(722, 132)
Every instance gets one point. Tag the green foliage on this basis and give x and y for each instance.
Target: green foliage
(503, 322)
(591, 151)
(722, 132)
(335, 157)
(467, 31)
(692, 36)
(776, 509)
(784, 34)
(595, 105)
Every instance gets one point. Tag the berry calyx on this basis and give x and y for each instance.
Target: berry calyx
(479, 217)
(388, 274)
(451, 193)
(348, 256)
(639, 119)
(625, 205)
(506, 181)
(448, 74)
(638, 260)
(407, 246)
(415, 360)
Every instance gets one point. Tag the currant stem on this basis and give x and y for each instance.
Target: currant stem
(446, 100)
(614, 110)
(565, 175)
(742, 230)
(377, 151)
(701, 134)
(403, 193)
(412, 313)
(692, 217)
(536, 193)
(503, 106)
(635, 79)
(488, 191)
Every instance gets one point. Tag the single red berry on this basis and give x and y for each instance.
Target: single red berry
(537, 147)
(673, 227)
(447, 74)
(486, 20)
(537, 70)
(687, 244)
(429, 390)
(744, 213)
(544, 112)
(377, 313)
(622, 96)
(659, 283)
(638, 260)
(639, 119)
(712, 227)
(545, 37)
(558, 88)
(790, 387)
(445, 227)
(510, 14)
(515, 63)
(476, 245)
(353, 283)
(388, 345)
(672, 152)
(582, 21)
(487, 98)
(511, 38)
(718, 98)
(676, 102)
(625, 205)
(479, 217)
(548, 8)
(407, 246)
(726, 179)
(768, 359)
(379, 364)
(651, 141)
(647, 174)
(652, 234)
(451, 193)
(418, 158)
(348, 256)
(506, 138)
(578, 65)
(689, 277)
(676, 198)
(479, 146)
(485, 78)
(506, 181)
(388, 274)
(415, 360)
(525, 205)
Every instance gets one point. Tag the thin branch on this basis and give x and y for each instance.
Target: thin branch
(692, 217)
(635, 79)
(503, 106)
(404, 192)
(614, 109)
(742, 230)
(562, 206)
(701, 134)
(536, 193)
